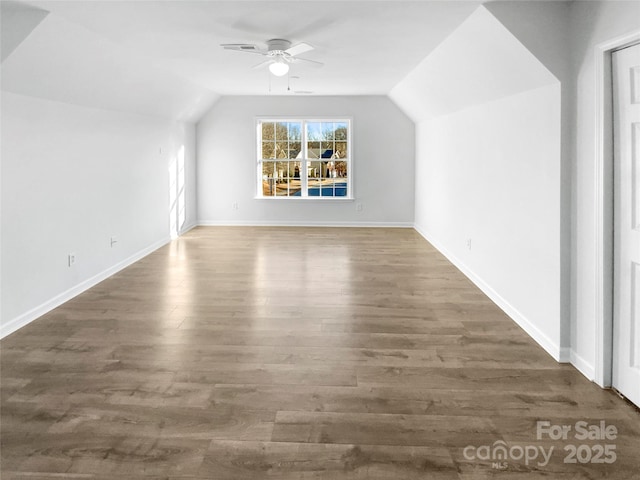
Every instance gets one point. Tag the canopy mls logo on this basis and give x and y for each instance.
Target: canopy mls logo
(500, 453)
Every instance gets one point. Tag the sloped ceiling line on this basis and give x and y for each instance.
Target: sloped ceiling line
(479, 62)
(17, 22)
(62, 61)
(163, 57)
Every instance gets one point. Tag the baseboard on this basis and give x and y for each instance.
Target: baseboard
(189, 227)
(583, 366)
(534, 332)
(295, 223)
(26, 318)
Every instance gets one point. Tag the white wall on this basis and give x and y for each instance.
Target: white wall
(564, 38)
(491, 174)
(591, 23)
(383, 156)
(488, 169)
(71, 178)
(543, 28)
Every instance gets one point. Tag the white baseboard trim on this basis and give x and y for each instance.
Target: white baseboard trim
(188, 228)
(28, 317)
(534, 332)
(583, 366)
(295, 223)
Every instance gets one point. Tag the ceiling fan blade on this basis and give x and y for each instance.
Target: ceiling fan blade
(243, 47)
(261, 64)
(311, 63)
(298, 49)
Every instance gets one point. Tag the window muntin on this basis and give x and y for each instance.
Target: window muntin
(288, 148)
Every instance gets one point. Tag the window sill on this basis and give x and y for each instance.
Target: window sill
(306, 199)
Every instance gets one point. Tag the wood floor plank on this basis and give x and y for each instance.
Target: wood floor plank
(290, 353)
(109, 456)
(176, 356)
(134, 421)
(460, 378)
(382, 429)
(413, 400)
(261, 374)
(230, 335)
(227, 460)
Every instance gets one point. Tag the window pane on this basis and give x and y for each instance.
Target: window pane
(295, 185)
(267, 169)
(325, 172)
(341, 170)
(327, 131)
(341, 188)
(327, 188)
(340, 130)
(294, 150)
(313, 150)
(268, 150)
(294, 170)
(327, 149)
(314, 131)
(267, 188)
(341, 150)
(314, 188)
(295, 131)
(314, 169)
(281, 175)
(268, 131)
(282, 131)
(282, 150)
(268, 179)
(281, 170)
(282, 188)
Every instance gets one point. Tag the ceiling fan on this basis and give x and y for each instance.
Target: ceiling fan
(279, 51)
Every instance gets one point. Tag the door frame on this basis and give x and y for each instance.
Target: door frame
(603, 298)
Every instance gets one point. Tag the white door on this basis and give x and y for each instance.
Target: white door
(626, 293)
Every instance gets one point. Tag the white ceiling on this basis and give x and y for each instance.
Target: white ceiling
(163, 57)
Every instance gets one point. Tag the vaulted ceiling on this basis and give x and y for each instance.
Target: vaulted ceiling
(164, 57)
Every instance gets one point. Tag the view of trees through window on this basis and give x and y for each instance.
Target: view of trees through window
(304, 158)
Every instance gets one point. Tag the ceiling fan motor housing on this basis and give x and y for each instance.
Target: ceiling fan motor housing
(278, 45)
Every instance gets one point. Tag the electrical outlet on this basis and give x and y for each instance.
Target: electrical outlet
(114, 240)
(469, 243)
(235, 205)
(358, 207)
(72, 259)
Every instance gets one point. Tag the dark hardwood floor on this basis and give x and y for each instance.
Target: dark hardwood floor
(296, 353)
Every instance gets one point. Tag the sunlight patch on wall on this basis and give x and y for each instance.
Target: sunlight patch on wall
(177, 194)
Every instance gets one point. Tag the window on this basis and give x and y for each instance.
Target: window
(304, 158)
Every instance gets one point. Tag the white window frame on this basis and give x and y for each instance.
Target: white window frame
(304, 160)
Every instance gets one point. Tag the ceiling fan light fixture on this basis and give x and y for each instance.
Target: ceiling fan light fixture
(279, 68)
